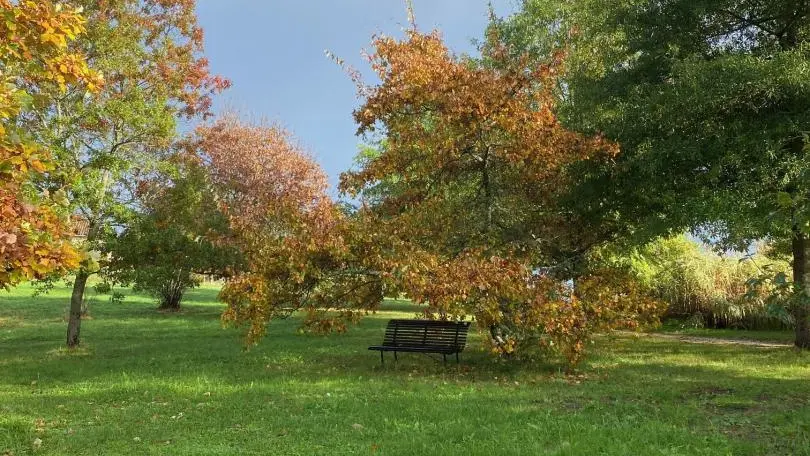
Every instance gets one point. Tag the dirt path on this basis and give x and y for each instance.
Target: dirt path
(713, 340)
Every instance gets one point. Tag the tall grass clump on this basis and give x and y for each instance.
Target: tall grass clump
(705, 288)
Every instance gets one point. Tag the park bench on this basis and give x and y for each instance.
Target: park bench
(424, 336)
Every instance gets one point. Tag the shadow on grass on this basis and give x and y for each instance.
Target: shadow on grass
(139, 369)
(164, 345)
(304, 386)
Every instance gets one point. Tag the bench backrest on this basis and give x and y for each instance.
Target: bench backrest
(427, 333)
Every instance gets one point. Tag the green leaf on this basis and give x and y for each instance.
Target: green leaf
(784, 200)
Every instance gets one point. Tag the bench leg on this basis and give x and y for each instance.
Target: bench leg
(457, 358)
(395, 357)
(382, 360)
(444, 357)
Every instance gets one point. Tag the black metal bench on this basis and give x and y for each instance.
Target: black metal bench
(424, 336)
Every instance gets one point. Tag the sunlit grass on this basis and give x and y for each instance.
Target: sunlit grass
(152, 383)
(741, 334)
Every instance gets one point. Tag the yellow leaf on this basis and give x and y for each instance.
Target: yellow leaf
(38, 166)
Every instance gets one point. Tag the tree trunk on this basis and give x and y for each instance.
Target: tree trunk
(171, 294)
(75, 317)
(800, 307)
(170, 303)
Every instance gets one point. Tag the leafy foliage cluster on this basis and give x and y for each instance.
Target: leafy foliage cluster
(35, 63)
(294, 239)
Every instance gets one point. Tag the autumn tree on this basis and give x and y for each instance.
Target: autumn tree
(295, 241)
(466, 137)
(35, 64)
(708, 101)
(150, 52)
(482, 157)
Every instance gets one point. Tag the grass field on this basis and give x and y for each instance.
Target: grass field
(152, 383)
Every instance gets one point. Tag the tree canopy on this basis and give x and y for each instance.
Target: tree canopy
(708, 103)
(294, 238)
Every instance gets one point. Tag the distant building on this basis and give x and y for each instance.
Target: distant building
(80, 228)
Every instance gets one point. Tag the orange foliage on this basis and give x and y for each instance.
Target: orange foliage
(34, 37)
(264, 176)
(294, 238)
(443, 114)
(479, 156)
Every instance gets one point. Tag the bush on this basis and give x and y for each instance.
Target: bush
(178, 237)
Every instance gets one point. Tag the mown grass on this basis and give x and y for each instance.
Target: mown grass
(771, 335)
(786, 337)
(151, 383)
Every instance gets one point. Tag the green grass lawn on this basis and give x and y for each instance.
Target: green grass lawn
(152, 383)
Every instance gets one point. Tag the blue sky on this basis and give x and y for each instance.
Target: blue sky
(273, 52)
